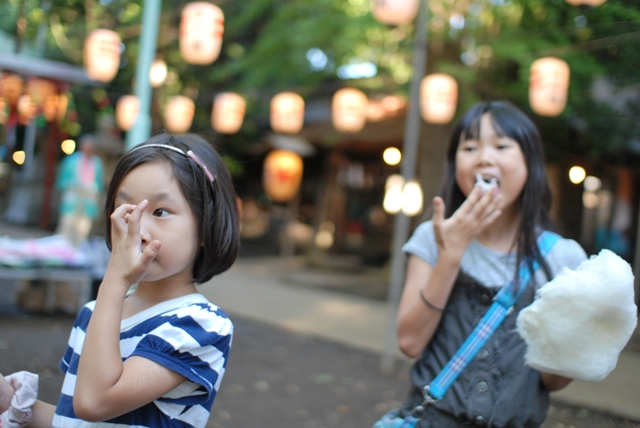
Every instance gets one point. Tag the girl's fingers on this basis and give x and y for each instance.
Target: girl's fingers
(488, 203)
(133, 221)
(119, 218)
(469, 203)
(438, 211)
(150, 253)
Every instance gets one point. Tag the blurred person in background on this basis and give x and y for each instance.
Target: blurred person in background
(80, 183)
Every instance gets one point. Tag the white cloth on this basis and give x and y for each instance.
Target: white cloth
(581, 320)
(19, 414)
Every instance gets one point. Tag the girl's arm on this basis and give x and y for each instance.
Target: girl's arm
(42, 416)
(105, 386)
(417, 319)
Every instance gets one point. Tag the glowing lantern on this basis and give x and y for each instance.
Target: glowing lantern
(349, 110)
(592, 3)
(438, 98)
(375, 111)
(392, 202)
(287, 113)
(395, 12)
(201, 30)
(12, 86)
(282, 175)
(412, 198)
(127, 110)
(548, 86)
(158, 73)
(228, 112)
(178, 114)
(27, 110)
(102, 55)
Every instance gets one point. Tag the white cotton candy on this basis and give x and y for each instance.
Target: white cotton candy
(581, 320)
(483, 184)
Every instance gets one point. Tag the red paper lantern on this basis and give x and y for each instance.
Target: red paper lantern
(438, 98)
(395, 12)
(179, 114)
(287, 113)
(102, 50)
(548, 86)
(201, 31)
(127, 111)
(592, 3)
(349, 110)
(282, 175)
(228, 112)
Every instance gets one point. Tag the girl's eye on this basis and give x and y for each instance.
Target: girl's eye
(160, 213)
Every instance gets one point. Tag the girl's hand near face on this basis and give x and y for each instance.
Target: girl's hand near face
(129, 263)
(454, 234)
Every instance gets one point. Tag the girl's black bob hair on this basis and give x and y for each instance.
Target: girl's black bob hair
(213, 204)
(535, 200)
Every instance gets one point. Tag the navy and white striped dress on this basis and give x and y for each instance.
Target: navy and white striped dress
(188, 335)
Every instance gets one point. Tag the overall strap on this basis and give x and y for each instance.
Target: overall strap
(501, 307)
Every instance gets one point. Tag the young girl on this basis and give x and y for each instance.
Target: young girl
(464, 255)
(155, 356)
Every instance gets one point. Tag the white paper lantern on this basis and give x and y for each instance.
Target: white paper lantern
(282, 175)
(438, 98)
(157, 73)
(102, 50)
(592, 3)
(395, 12)
(178, 114)
(228, 112)
(349, 110)
(548, 86)
(201, 31)
(287, 113)
(127, 110)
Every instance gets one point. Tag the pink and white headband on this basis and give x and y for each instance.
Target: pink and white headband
(189, 154)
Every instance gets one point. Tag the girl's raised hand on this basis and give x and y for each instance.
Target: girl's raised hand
(129, 262)
(454, 234)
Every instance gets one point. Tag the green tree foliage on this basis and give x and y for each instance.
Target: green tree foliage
(488, 45)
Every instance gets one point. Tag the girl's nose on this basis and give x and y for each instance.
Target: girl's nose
(144, 229)
(485, 156)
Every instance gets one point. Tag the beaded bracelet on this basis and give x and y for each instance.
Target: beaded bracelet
(428, 303)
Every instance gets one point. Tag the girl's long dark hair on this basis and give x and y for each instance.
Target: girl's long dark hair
(535, 199)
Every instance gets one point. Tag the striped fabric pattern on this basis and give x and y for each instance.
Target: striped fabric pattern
(494, 317)
(188, 335)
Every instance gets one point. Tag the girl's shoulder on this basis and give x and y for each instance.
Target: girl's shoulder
(565, 253)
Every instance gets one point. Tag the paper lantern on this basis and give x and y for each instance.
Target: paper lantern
(592, 3)
(11, 88)
(375, 111)
(282, 175)
(287, 113)
(548, 86)
(349, 110)
(228, 112)
(102, 50)
(395, 12)
(127, 110)
(157, 73)
(438, 98)
(178, 114)
(201, 31)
